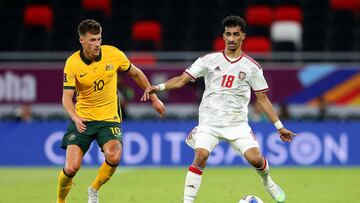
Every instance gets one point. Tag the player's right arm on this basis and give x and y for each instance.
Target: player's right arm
(69, 106)
(68, 95)
(173, 83)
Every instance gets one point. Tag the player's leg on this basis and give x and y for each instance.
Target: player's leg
(74, 157)
(112, 152)
(203, 143)
(247, 145)
(254, 157)
(194, 174)
(108, 137)
(76, 145)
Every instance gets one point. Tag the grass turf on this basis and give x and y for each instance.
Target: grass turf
(165, 185)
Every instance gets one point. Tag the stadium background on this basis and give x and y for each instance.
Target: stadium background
(309, 50)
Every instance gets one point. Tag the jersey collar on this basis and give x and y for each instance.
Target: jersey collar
(88, 61)
(242, 54)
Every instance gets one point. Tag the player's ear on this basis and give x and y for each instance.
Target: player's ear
(243, 35)
(81, 39)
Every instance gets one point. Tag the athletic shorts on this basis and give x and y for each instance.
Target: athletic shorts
(100, 131)
(240, 137)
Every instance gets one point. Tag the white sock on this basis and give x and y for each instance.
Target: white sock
(264, 170)
(192, 183)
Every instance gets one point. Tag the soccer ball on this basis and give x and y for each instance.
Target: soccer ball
(251, 199)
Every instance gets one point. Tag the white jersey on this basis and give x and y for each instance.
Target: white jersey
(227, 87)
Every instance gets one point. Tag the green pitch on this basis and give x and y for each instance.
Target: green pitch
(165, 185)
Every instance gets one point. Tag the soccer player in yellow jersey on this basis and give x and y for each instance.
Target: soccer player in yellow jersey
(91, 73)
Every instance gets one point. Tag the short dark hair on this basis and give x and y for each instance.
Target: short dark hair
(89, 25)
(233, 21)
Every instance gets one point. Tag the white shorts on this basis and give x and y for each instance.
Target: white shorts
(240, 137)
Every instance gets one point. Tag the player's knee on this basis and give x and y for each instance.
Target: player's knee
(71, 170)
(113, 157)
(256, 161)
(201, 157)
(254, 157)
(113, 161)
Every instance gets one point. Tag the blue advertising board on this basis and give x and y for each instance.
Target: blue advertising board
(161, 143)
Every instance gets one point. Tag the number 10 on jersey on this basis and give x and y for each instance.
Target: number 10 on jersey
(227, 81)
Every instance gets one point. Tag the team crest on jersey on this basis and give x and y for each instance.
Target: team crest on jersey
(191, 134)
(242, 75)
(109, 67)
(64, 78)
(71, 137)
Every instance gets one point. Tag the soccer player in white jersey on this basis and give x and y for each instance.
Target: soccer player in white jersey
(228, 76)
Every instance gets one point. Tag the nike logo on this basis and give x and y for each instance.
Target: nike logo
(192, 186)
(82, 75)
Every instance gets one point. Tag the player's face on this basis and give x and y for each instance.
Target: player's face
(233, 37)
(91, 44)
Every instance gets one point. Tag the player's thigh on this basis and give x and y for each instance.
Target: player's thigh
(245, 141)
(73, 137)
(203, 137)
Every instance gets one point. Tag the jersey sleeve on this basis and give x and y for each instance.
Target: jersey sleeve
(257, 81)
(197, 69)
(69, 76)
(124, 62)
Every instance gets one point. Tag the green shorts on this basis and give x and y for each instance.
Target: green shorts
(100, 131)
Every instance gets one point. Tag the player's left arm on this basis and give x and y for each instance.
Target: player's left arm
(141, 80)
(266, 106)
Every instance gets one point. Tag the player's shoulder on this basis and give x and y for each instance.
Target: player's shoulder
(250, 61)
(110, 48)
(73, 58)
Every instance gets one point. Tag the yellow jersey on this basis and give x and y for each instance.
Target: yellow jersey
(95, 83)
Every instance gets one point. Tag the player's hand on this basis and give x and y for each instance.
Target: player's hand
(159, 107)
(79, 122)
(286, 135)
(149, 90)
